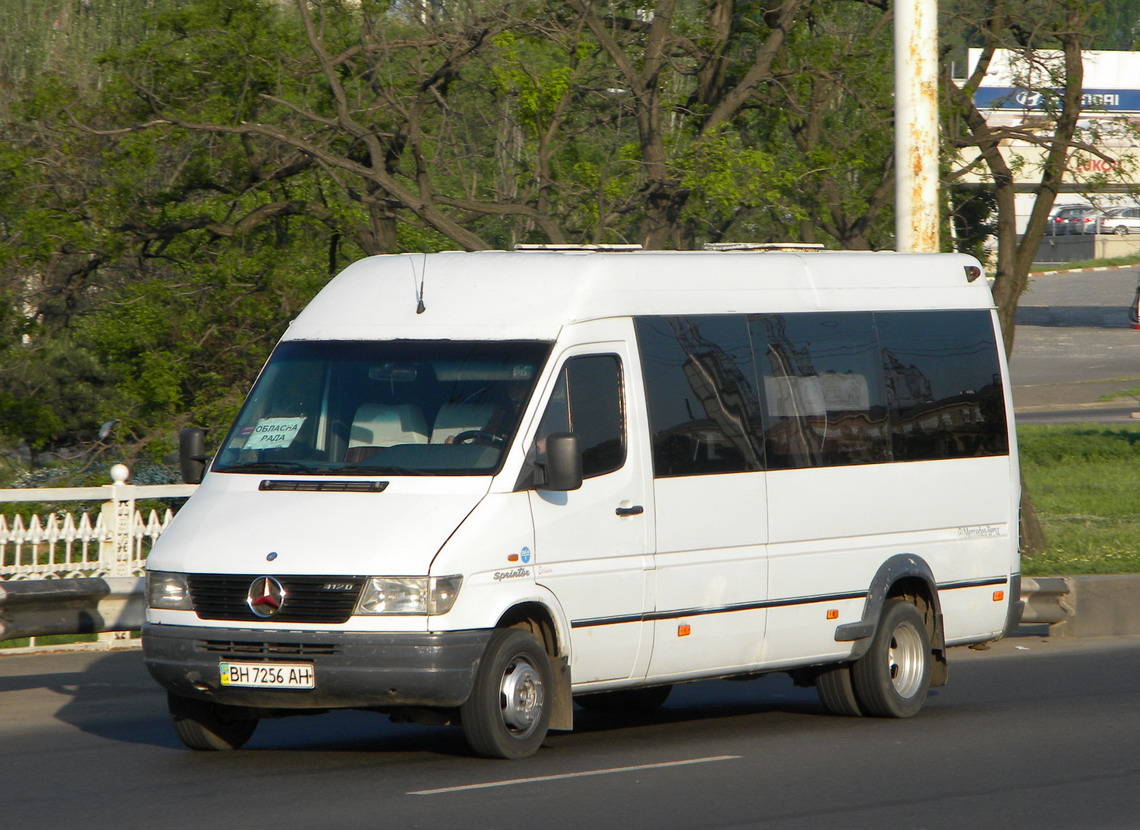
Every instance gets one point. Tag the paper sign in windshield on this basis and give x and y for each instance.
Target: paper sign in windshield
(274, 433)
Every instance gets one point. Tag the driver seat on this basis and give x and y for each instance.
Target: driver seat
(454, 418)
(382, 425)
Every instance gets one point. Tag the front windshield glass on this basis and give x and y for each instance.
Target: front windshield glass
(396, 407)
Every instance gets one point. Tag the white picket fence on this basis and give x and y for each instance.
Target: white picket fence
(111, 541)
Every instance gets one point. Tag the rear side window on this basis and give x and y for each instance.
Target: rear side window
(943, 381)
(587, 400)
(737, 393)
(824, 403)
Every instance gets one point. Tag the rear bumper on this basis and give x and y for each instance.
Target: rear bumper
(352, 669)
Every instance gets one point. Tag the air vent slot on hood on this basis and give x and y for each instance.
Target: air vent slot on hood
(309, 485)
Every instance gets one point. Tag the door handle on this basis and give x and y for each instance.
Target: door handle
(635, 510)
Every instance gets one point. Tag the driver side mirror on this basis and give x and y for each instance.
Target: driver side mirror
(192, 455)
(563, 462)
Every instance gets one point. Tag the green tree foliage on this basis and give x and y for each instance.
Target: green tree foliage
(180, 176)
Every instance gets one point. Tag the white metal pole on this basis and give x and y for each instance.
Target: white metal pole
(916, 125)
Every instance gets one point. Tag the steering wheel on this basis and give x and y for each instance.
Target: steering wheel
(478, 436)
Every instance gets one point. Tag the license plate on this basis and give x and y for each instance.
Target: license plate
(268, 675)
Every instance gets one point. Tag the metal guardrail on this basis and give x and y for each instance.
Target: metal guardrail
(41, 607)
(35, 608)
(1046, 599)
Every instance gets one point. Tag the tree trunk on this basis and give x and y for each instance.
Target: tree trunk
(1033, 539)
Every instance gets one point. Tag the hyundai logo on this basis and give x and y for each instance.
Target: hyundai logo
(265, 597)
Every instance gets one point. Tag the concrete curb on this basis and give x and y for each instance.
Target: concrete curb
(1081, 270)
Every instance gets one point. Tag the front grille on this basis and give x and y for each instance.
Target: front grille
(308, 599)
(248, 649)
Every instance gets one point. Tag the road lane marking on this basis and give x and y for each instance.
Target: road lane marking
(586, 773)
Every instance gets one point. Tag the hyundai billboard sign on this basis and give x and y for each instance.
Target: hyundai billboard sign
(1013, 98)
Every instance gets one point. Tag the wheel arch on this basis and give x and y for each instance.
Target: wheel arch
(540, 621)
(909, 577)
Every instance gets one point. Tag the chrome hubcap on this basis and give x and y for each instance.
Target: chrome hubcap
(905, 660)
(521, 696)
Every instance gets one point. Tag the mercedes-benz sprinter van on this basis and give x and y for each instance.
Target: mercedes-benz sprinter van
(474, 488)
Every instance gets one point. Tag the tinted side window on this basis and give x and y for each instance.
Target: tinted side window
(943, 384)
(824, 402)
(700, 383)
(587, 400)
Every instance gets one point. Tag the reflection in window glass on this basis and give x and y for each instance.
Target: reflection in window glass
(821, 382)
(587, 400)
(943, 384)
(704, 414)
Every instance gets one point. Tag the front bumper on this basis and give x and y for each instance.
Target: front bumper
(353, 669)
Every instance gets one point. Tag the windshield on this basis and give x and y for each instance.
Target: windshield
(398, 407)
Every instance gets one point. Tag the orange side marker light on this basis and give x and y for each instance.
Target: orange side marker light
(684, 630)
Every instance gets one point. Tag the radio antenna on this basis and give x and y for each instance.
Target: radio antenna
(419, 284)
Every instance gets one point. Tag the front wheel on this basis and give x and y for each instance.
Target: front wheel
(508, 712)
(201, 724)
(891, 680)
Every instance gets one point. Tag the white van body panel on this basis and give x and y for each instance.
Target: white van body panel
(597, 562)
(231, 527)
(711, 554)
(519, 296)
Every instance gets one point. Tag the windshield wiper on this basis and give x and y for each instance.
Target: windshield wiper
(268, 467)
(378, 470)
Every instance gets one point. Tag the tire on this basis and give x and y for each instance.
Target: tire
(891, 680)
(1121, 230)
(646, 699)
(837, 693)
(209, 726)
(508, 712)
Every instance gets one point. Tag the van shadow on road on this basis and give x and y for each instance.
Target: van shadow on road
(112, 697)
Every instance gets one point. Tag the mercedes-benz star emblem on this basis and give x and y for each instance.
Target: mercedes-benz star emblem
(265, 596)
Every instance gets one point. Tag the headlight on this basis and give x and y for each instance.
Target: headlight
(421, 595)
(168, 591)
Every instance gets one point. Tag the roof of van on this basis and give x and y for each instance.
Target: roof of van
(531, 295)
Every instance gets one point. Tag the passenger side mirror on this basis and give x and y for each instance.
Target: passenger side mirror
(563, 462)
(192, 454)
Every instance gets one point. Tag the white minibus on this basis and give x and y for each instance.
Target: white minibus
(478, 488)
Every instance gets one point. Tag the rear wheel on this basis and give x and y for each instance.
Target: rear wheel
(203, 725)
(626, 700)
(508, 712)
(891, 680)
(837, 692)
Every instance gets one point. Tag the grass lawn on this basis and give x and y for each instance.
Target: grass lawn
(1085, 483)
(1038, 268)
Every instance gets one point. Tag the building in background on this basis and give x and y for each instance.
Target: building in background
(1018, 91)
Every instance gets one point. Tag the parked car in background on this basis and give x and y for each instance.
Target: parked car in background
(1084, 221)
(1068, 219)
(1120, 221)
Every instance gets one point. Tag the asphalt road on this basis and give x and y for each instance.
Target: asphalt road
(1033, 733)
(1075, 345)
